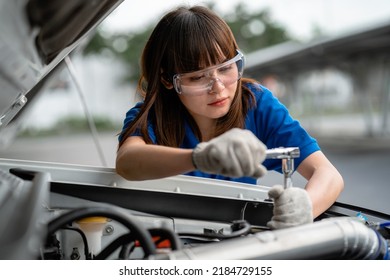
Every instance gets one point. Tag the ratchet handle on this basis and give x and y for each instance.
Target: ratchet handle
(287, 156)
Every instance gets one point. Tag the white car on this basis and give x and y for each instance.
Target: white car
(67, 211)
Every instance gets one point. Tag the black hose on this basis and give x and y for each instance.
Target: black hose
(122, 240)
(111, 212)
(126, 250)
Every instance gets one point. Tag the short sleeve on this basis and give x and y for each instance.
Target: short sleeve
(275, 127)
(130, 116)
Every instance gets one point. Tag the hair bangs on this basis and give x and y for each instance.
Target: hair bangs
(199, 43)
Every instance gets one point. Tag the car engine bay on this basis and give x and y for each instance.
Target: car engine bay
(178, 218)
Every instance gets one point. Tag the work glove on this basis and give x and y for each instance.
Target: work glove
(235, 153)
(292, 207)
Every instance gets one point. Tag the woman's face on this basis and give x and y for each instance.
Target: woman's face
(210, 106)
(208, 93)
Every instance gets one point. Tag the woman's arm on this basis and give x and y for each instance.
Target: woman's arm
(235, 153)
(324, 181)
(152, 161)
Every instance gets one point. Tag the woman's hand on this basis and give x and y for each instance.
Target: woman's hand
(236, 153)
(292, 207)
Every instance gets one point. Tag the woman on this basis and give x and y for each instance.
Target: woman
(200, 117)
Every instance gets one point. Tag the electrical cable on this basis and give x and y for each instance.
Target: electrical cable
(111, 212)
(384, 224)
(239, 228)
(85, 241)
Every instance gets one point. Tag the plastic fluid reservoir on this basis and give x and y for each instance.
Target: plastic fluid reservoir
(93, 230)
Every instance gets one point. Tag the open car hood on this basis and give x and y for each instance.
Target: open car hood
(35, 37)
(200, 218)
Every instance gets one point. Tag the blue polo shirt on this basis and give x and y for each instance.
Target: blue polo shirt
(269, 120)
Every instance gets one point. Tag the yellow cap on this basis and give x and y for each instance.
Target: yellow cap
(96, 220)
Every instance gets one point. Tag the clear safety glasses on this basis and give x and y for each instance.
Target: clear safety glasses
(202, 81)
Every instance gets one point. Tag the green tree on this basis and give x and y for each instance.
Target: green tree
(253, 30)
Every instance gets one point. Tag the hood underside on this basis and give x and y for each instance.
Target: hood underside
(35, 37)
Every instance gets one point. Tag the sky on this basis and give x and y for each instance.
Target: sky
(297, 16)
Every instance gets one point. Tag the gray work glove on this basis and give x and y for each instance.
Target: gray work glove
(292, 207)
(235, 153)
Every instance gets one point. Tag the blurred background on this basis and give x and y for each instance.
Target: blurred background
(327, 61)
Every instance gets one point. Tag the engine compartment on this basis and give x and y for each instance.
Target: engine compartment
(83, 217)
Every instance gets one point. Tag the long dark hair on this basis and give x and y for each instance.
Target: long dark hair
(185, 39)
